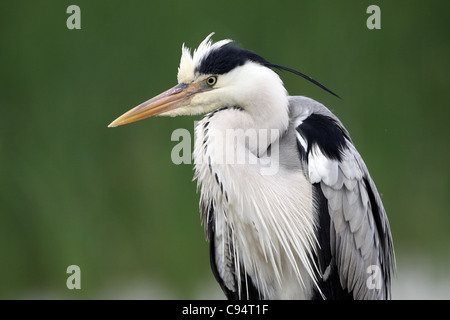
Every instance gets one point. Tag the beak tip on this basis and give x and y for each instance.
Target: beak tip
(180, 95)
(113, 124)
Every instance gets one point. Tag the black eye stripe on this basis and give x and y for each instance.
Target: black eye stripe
(225, 59)
(229, 56)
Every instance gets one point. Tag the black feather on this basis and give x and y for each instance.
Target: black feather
(330, 286)
(226, 58)
(326, 133)
(229, 56)
(248, 290)
(304, 76)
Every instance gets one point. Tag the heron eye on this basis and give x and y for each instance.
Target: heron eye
(211, 81)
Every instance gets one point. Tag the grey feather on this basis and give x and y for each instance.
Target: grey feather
(356, 241)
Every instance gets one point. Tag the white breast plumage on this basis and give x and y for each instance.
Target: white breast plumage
(260, 232)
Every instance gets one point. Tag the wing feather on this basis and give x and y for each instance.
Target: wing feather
(359, 229)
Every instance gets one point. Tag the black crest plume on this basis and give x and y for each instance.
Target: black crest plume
(228, 57)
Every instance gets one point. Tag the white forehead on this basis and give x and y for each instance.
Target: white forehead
(188, 62)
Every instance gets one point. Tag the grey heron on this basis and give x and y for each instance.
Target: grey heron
(288, 205)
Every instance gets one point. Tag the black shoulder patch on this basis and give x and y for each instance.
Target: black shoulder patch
(326, 133)
(226, 58)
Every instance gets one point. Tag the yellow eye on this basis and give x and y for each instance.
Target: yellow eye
(211, 81)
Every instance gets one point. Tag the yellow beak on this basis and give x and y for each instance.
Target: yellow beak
(176, 97)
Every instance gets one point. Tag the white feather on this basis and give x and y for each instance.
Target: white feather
(188, 62)
(271, 216)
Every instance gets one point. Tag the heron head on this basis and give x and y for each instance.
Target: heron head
(215, 75)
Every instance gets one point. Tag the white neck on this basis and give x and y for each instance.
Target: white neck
(260, 93)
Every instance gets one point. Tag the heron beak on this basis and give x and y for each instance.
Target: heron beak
(176, 97)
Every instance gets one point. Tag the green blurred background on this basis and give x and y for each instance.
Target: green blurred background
(111, 201)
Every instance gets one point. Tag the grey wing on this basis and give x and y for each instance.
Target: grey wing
(355, 253)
